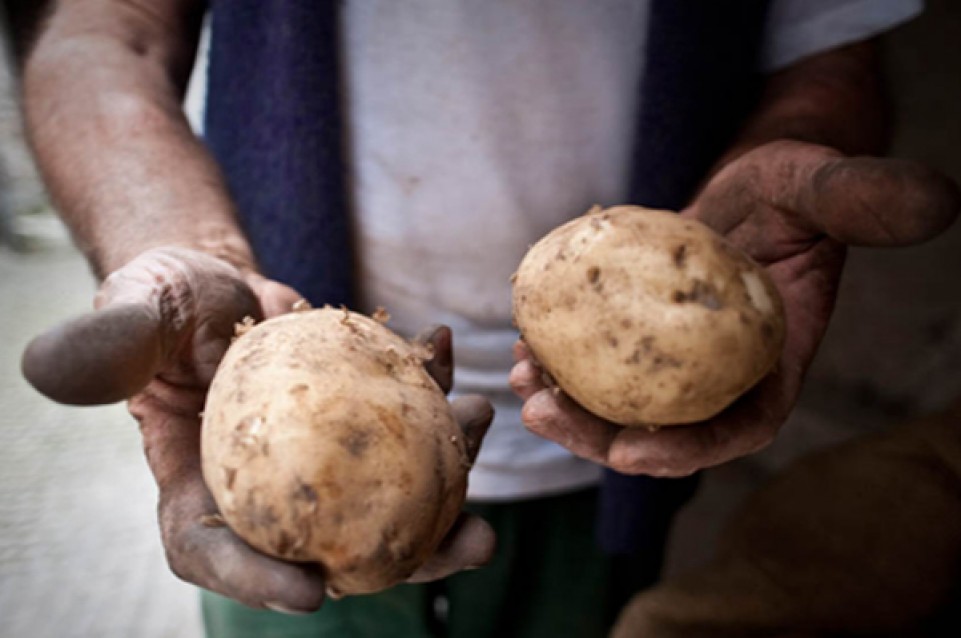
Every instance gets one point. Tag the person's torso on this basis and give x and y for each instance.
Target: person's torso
(475, 128)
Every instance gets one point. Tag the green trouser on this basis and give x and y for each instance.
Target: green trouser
(547, 579)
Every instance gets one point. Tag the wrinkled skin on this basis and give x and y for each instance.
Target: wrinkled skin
(794, 207)
(163, 323)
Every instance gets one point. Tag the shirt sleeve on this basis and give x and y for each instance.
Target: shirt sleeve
(799, 28)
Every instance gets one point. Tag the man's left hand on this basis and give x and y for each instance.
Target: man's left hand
(794, 207)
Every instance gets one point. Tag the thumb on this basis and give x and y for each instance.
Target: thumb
(440, 366)
(474, 415)
(872, 201)
(96, 358)
(149, 310)
(859, 201)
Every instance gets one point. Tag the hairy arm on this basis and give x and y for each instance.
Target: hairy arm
(103, 88)
(104, 83)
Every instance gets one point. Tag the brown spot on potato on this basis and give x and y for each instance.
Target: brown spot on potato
(356, 441)
(230, 475)
(389, 533)
(405, 482)
(701, 292)
(246, 435)
(593, 274)
(680, 256)
(299, 389)
(663, 361)
(392, 422)
(331, 488)
(283, 542)
(611, 340)
(260, 515)
(305, 493)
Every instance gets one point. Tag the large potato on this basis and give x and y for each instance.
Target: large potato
(647, 318)
(325, 440)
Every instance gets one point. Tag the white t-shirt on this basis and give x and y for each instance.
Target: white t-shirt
(475, 127)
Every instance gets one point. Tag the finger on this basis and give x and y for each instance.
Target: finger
(670, 451)
(474, 414)
(521, 352)
(145, 313)
(553, 415)
(275, 297)
(469, 544)
(441, 365)
(214, 558)
(203, 551)
(97, 358)
(526, 379)
(200, 548)
(861, 201)
(676, 451)
(870, 201)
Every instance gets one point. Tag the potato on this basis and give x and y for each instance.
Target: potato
(325, 440)
(646, 318)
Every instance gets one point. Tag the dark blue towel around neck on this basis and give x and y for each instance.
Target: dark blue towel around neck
(273, 122)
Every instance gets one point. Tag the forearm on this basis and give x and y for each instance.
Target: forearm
(834, 99)
(103, 88)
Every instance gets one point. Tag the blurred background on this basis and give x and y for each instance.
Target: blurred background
(79, 550)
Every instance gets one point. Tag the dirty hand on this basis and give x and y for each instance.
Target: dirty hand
(793, 207)
(162, 324)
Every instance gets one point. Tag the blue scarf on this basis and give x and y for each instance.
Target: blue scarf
(273, 123)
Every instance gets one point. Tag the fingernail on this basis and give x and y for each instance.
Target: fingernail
(284, 609)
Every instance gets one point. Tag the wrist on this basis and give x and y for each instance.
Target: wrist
(220, 241)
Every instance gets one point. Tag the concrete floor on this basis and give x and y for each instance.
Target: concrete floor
(79, 551)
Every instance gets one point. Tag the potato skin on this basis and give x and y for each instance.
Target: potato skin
(325, 440)
(646, 318)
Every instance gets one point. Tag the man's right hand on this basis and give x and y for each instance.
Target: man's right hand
(162, 325)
